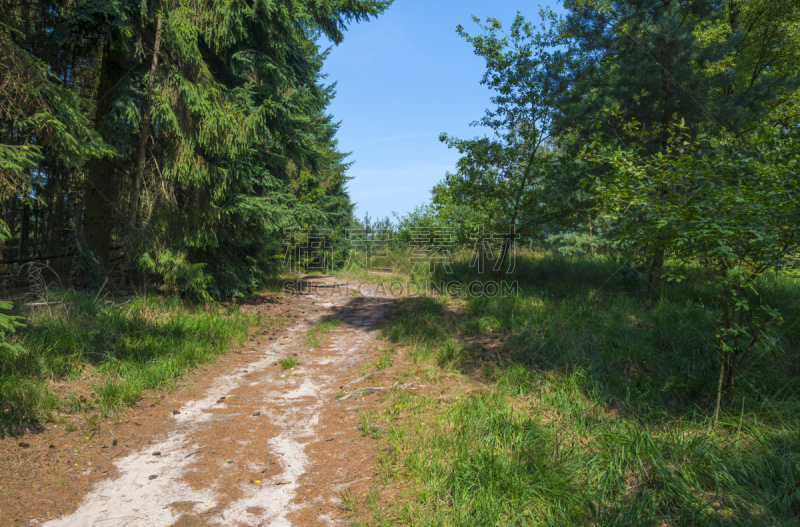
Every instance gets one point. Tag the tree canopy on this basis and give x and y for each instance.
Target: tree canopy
(174, 138)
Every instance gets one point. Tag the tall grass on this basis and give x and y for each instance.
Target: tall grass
(123, 348)
(595, 410)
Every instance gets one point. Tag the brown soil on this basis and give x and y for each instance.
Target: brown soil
(242, 442)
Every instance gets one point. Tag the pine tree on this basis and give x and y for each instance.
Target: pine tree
(190, 135)
(42, 125)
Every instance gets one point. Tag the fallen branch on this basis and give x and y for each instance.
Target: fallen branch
(365, 391)
(359, 379)
(36, 258)
(65, 254)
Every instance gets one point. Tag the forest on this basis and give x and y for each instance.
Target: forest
(636, 177)
(181, 142)
(176, 139)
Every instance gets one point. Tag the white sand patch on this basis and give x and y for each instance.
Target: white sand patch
(133, 499)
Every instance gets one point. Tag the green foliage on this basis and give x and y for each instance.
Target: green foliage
(573, 243)
(728, 207)
(8, 323)
(39, 113)
(179, 274)
(516, 177)
(583, 238)
(646, 62)
(671, 195)
(762, 64)
(370, 243)
(444, 213)
(85, 265)
(703, 64)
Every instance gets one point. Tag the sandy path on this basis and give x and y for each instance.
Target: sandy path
(239, 455)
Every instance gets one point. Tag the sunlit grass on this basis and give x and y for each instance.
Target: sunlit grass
(592, 409)
(316, 334)
(290, 362)
(123, 348)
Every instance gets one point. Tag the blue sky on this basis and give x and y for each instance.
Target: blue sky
(402, 80)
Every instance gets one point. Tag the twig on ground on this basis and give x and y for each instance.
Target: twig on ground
(365, 391)
(359, 379)
(192, 453)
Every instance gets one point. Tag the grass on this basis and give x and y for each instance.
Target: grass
(109, 351)
(386, 358)
(401, 262)
(577, 405)
(316, 334)
(290, 362)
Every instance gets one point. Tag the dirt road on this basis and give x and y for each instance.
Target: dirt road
(263, 446)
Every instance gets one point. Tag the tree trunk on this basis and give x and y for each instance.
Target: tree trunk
(144, 134)
(654, 281)
(724, 327)
(12, 226)
(733, 20)
(4, 218)
(719, 386)
(23, 231)
(61, 217)
(3, 212)
(77, 209)
(36, 226)
(733, 15)
(504, 253)
(657, 265)
(100, 179)
(51, 226)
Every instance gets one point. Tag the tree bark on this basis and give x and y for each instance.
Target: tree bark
(718, 405)
(144, 134)
(733, 15)
(36, 226)
(12, 225)
(53, 222)
(100, 179)
(656, 269)
(23, 231)
(3, 212)
(504, 253)
(725, 324)
(733, 20)
(657, 265)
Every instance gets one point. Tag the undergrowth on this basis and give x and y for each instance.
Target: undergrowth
(587, 408)
(111, 350)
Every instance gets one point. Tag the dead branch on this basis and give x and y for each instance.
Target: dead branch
(365, 391)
